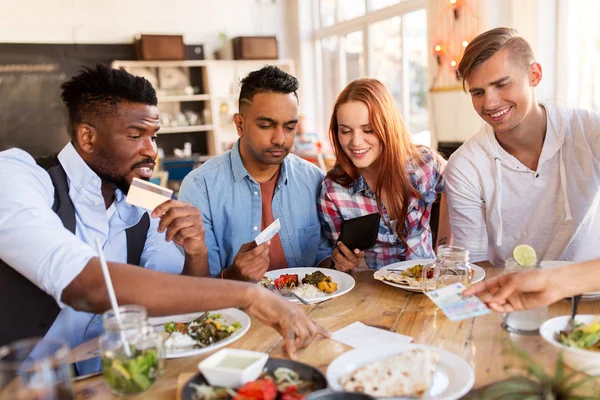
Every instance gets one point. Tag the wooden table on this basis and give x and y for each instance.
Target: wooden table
(480, 341)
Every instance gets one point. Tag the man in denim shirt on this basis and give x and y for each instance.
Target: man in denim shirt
(242, 191)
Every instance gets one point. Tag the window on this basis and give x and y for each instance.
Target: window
(383, 39)
(579, 54)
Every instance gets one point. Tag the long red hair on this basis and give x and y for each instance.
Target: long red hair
(397, 149)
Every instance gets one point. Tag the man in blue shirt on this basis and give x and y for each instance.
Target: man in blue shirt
(242, 191)
(114, 125)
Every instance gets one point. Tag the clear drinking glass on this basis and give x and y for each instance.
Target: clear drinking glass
(132, 351)
(451, 266)
(35, 369)
(523, 322)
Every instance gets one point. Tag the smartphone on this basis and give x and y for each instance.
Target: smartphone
(361, 232)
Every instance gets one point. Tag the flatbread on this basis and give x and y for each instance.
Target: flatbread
(397, 277)
(405, 374)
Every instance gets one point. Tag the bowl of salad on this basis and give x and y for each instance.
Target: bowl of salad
(581, 346)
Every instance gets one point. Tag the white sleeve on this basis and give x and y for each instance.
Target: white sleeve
(466, 208)
(33, 240)
(592, 132)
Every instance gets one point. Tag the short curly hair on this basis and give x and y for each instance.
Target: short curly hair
(98, 91)
(269, 79)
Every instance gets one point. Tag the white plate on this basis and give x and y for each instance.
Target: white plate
(453, 378)
(344, 281)
(229, 315)
(556, 264)
(479, 274)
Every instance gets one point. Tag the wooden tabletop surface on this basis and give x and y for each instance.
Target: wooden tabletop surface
(480, 341)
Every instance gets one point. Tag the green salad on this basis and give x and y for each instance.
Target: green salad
(584, 336)
(130, 375)
(205, 330)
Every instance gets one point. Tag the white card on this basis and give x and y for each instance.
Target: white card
(147, 195)
(268, 233)
(456, 306)
(359, 335)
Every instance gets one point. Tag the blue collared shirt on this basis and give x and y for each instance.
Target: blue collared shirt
(230, 202)
(35, 243)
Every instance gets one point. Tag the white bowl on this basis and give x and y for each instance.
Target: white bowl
(232, 367)
(579, 359)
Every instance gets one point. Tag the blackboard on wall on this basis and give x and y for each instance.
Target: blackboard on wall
(32, 115)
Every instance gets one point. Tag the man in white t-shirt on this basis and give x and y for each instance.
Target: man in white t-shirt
(531, 175)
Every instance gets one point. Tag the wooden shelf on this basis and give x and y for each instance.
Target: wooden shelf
(218, 80)
(183, 97)
(196, 63)
(184, 129)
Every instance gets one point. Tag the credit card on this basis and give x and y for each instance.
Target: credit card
(456, 306)
(268, 233)
(147, 195)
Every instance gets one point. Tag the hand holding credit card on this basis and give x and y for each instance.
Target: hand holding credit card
(147, 195)
(181, 221)
(268, 233)
(456, 306)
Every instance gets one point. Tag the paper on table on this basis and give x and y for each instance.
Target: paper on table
(359, 335)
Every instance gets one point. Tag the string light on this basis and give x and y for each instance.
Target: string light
(453, 63)
(437, 48)
(465, 43)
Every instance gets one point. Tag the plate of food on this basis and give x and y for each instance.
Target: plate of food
(312, 284)
(556, 264)
(197, 333)
(408, 275)
(283, 379)
(402, 371)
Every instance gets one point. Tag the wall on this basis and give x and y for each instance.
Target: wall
(117, 21)
(453, 117)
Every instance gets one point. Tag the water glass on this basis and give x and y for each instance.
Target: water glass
(451, 266)
(523, 322)
(35, 369)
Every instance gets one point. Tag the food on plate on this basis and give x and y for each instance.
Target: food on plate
(266, 282)
(307, 291)
(584, 336)
(327, 286)
(323, 282)
(312, 285)
(283, 384)
(405, 374)
(416, 272)
(412, 276)
(130, 374)
(201, 332)
(287, 281)
(315, 278)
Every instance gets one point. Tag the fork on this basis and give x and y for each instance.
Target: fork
(571, 323)
(287, 292)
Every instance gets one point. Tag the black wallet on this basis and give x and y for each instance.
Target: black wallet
(361, 232)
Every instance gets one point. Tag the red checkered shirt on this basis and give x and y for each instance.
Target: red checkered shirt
(338, 203)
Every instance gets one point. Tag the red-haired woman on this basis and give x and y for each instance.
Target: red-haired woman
(380, 170)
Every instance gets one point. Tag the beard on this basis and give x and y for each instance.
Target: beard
(107, 168)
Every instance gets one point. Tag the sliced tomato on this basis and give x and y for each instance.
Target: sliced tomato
(261, 389)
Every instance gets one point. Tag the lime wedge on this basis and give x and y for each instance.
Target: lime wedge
(525, 255)
(120, 368)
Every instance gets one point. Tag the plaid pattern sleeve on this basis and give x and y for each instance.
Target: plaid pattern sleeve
(329, 214)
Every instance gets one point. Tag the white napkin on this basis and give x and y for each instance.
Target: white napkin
(359, 335)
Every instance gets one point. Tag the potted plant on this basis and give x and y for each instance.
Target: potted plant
(536, 384)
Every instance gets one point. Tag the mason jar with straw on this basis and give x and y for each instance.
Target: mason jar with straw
(132, 352)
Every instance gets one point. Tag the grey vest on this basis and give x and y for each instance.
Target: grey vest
(26, 310)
